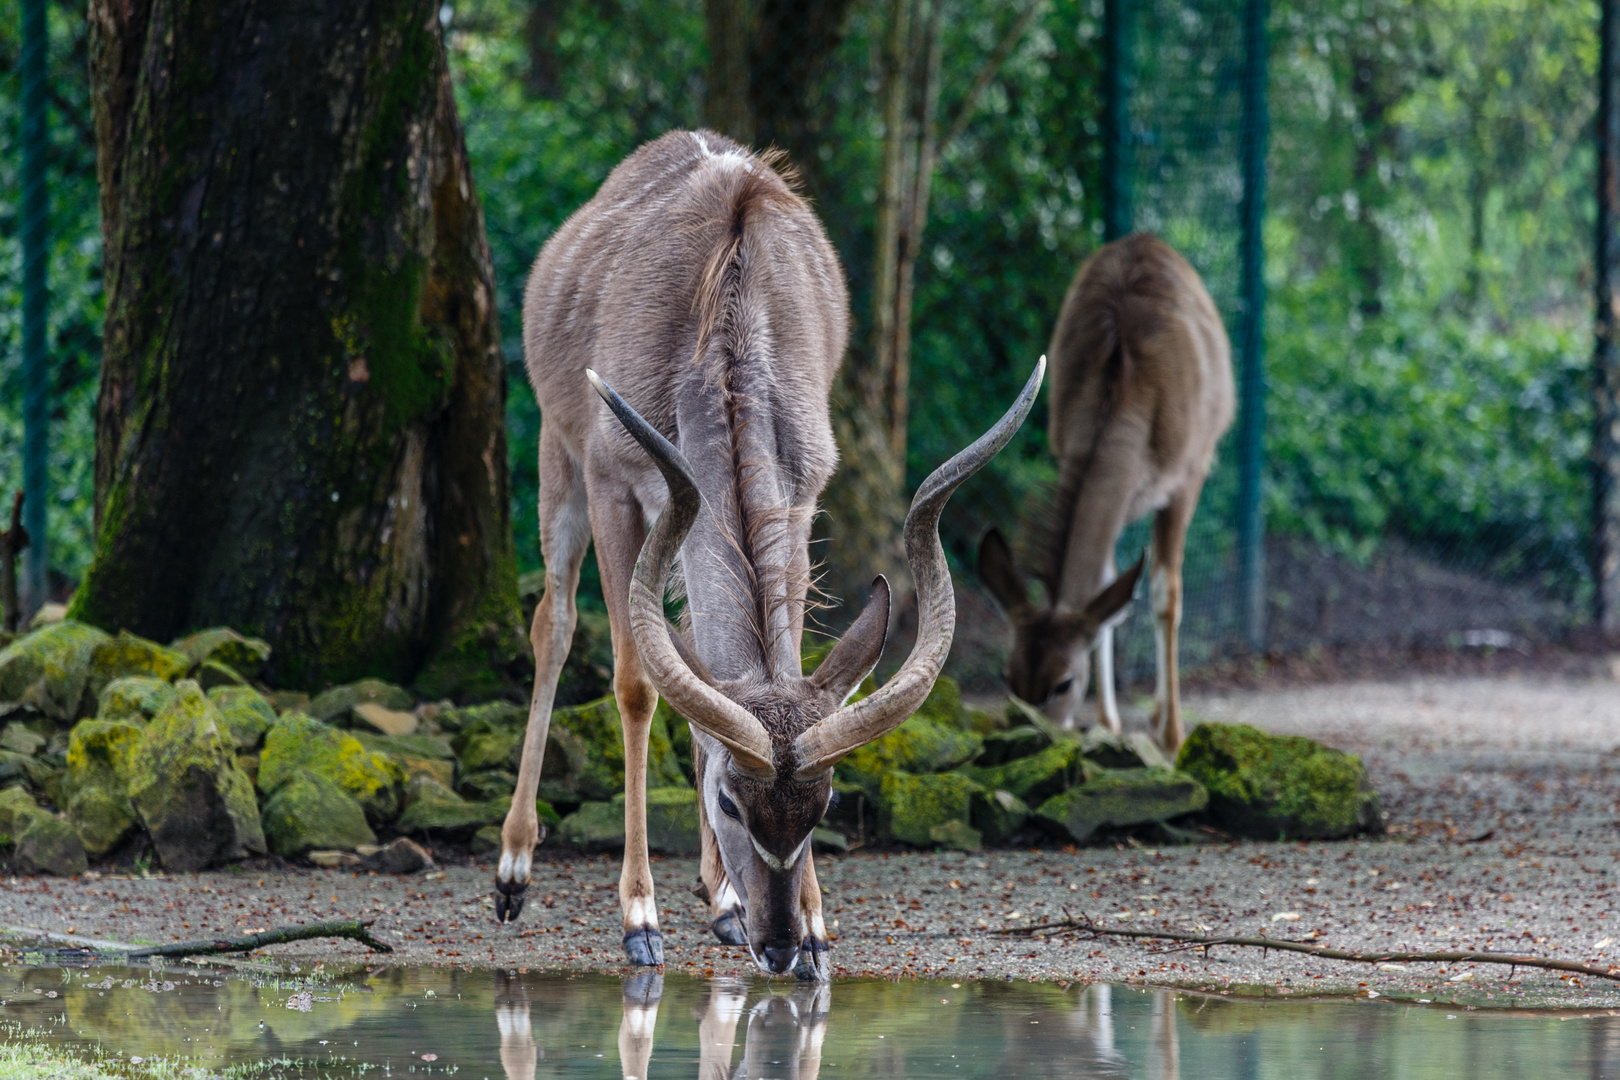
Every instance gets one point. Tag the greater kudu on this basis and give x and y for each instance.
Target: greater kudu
(700, 284)
(1141, 393)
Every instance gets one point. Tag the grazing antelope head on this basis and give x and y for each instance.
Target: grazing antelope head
(1050, 662)
(765, 746)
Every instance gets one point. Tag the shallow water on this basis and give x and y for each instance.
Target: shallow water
(522, 1025)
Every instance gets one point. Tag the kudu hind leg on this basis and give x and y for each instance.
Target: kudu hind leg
(564, 534)
(1169, 543)
(1107, 702)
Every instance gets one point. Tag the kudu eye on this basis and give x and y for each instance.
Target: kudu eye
(1062, 687)
(729, 808)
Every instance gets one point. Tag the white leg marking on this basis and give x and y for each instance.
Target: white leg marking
(641, 911)
(513, 1021)
(728, 898)
(639, 1020)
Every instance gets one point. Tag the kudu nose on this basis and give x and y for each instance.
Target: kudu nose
(780, 957)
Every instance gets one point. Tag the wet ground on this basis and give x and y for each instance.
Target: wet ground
(201, 1020)
(1503, 798)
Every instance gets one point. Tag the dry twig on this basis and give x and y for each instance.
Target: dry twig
(1088, 928)
(353, 929)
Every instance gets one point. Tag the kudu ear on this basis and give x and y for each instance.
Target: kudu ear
(1106, 605)
(1000, 575)
(857, 652)
(687, 653)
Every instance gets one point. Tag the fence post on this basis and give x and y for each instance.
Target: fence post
(1251, 329)
(1116, 118)
(35, 244)
(1605, 355)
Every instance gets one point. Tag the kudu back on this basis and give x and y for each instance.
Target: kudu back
(699, 286)
(1141, 393)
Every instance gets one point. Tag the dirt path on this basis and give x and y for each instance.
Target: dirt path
(1503, 796)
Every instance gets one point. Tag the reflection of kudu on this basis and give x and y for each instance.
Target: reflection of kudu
(701, 285)
(518, 1052)
(1141, 392)
(783, 1037)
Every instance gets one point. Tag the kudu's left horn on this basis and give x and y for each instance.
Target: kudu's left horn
(703, 705)
(853, 726)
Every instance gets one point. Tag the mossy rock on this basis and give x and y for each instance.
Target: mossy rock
(913, 805)
(100, 758)
(1275, 787)
(1040, 776)
(102, 816)
(999, 815)
(416, 755)
(1012, 744)
(130, 654)
(212, 673)
(595, 826)
(137, 699)
(335, 705)
(20, 738)
(672, 820)
(487, 785)
(943, 705)
(309, 811)
(244, 655)
(585, 754)
(17, 809)
(196, 804)
(490, 716)
(246, 713)
(920, 745)
(433, 808)
(484, 748)
(956, 836)
(48, 669)
(1122, 798)
(1133, 750)
(50, 845)
(297, 741)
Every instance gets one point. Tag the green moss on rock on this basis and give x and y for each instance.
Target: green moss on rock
(1122, 798)
(590, 739)
(334, 706)
(309, 811)
(1280, 786)
(913, 805)
(242, 654)
(130, 654)
(246, 713)
(999, 815)
(298, 741)
(672, 820)
(595, 826)
(1135, 750)
(48, 669)
(433, 808)
(50, 845)
(102, 816)
(1039, 776)
(485, 748)
(956, 836)
(136, 699)
(1012, 744)
(17, 809)
(196, 804)
(920, 745)
(487, 785)
(212, 673)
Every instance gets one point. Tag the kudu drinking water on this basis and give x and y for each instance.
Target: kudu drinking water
(1141, 393)
(702, 287)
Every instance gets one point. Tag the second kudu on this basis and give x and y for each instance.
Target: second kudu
(1141, 393)
(702, 287)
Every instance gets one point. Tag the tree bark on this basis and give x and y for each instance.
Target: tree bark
(725, 99)
(300, 431)
(791, 49)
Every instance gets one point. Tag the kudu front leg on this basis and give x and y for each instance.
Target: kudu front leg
(815, 961)
(643, 943)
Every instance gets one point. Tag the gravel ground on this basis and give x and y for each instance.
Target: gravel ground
(1502, 796)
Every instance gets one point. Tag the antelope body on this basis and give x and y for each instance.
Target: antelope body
(699, 285)
(1141, 393)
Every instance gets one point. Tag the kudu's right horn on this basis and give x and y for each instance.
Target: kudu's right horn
(853, 726)
(707, 708)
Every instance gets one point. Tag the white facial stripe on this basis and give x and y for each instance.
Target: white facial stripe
(779, 865)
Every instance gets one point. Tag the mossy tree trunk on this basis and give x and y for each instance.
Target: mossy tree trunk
(301, 425)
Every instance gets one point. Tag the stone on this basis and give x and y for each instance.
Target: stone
(130, 654)
(484, 748)
(1135, 750)
(297, 741)
(433, 808)
(492, 715)
(672, 820)
(246, 712)
(336, 706)
(48, 668)
(49, 614)
(288, 700)
(486, 841)
(49, 845)
(1012, 744)
(19, 738)
(913, 805)
(1277, 787)
(212, 673)
(196, 804)
(920, 745)
(17, 809)
(1038, 777)
(310, 811)
(402, 855)
(999, 815)
(585, 754)
(136, 699)
(1122, 798)
(956, 836)
(102, 818)
(387, 721)
(242, 654)
(595, 826)
(416, 755)
(483, 786)
(334, 860)
(95, 782)
(944, 704)
(982, 721)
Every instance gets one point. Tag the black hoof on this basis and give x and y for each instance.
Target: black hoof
(813, 963)
(728, 929)
(509, 899)
(644, 946)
